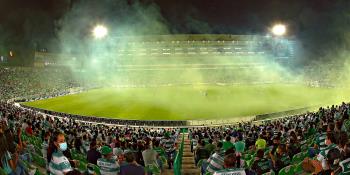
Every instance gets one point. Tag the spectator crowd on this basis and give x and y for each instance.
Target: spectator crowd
(310, 143)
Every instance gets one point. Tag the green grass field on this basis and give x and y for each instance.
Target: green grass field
(190, 103)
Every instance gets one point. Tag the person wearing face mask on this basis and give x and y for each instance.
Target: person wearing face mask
(58, 163)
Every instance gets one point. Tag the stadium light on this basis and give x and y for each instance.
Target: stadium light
(279, 29)
(100, 31)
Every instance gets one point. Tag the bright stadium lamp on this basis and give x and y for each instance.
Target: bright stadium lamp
(279, 29)
(100, 31)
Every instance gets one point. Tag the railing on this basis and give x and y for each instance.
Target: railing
(178, 158)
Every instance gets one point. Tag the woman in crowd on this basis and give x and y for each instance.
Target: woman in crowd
(58, 162)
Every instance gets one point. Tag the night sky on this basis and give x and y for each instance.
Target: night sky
(318, 24)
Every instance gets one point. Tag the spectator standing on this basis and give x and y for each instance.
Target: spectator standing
(108, 165)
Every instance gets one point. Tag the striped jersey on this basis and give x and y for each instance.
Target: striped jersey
(261, 166)
(168, 144)
(323, 154)
(216, 161)
(231, 171)
(194, 143)
(59, 164)
(345, 165)
(320, 139)
(108, 166)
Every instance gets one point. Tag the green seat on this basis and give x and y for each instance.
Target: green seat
(266, 152)
(40, 161)
(251, 152)
(299, 157)
(208, 173)
(38, 151)
(200, 163)
(75, 156)
(288, 170)
(154, 169)
(95, 168)
(247, 157)
(269, 173)
(73, 151)
(24, 137)
(2, 172)
(163, 159)
(304, 147)
(24, 163)
(37, 172)
(249, 163)
(298, 168)
(82, 158)
(82, 166)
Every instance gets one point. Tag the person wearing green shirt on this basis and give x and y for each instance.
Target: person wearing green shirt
(227, 144)
(311, 131)
(260, 143)
(329, 144)
(240, 145)
(210, 146)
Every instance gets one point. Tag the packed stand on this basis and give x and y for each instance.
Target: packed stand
(311, 143)
(314, 143)
(64, 146)
(28, 82)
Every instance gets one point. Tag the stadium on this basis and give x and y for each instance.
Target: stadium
(106, 100)
(153, 76)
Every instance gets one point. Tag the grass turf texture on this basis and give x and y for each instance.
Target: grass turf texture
(191, 103)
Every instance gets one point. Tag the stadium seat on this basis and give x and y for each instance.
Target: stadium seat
(208, 173)
(2, 172)
(163, 159)
(288, 170)
(299, 157)
(200, 162)
(82, 167)
(40, 161)
(37, 172)
(247, 157)
(298, 168)
(249, 163)
(38, 151)
(304, 147)
(154, 169)
(269, 173)
(93, 169)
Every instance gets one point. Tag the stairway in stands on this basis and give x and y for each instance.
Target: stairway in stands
(188, 164)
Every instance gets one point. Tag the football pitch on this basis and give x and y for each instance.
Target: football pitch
(191, 102)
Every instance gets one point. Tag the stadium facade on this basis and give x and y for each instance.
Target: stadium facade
(277, 48)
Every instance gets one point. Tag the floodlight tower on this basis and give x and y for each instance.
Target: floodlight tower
(279, 30)
(99, 31)
(280, 43)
